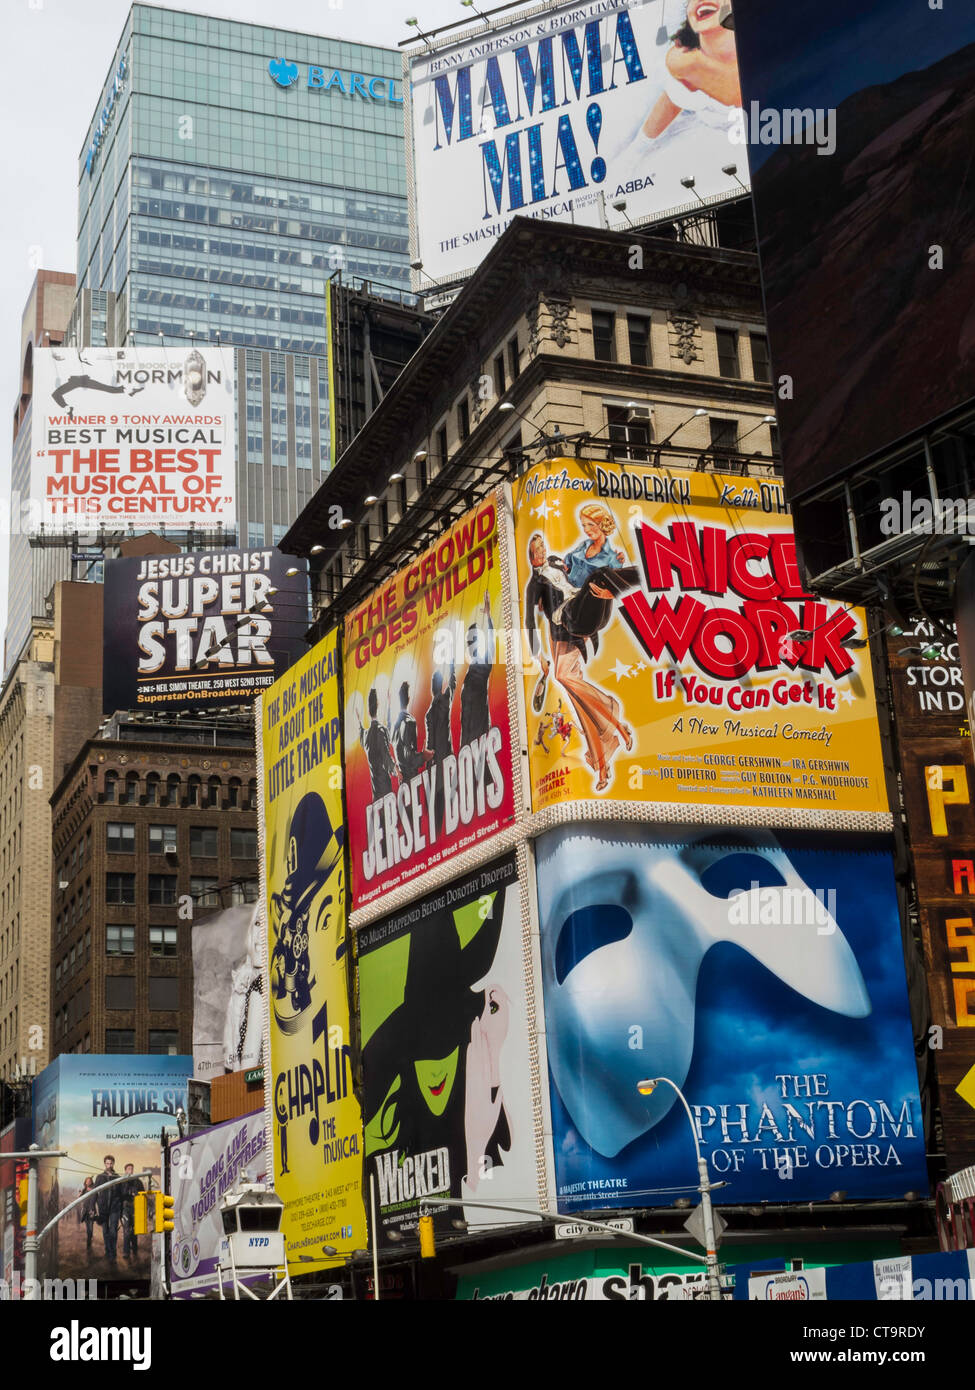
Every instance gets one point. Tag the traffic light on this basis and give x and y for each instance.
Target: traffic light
(164, 1212)
(428, 1247)
(140, 1214)
(23, 1187)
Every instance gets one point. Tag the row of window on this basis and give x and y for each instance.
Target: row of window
(204, 840)
(604, 346)
(163, 992)
(631, 437)
(162, 1041)
(156, 793)
(163, 891)
(120, 940)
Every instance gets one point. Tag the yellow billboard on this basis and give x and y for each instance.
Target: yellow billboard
(316, 1118)
(672, 656)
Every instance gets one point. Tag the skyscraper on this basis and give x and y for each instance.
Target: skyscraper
(229, 170)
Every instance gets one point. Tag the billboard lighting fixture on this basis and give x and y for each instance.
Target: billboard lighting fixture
(765, 420)
(419, 456)
(317, 549)
(929, 653)
(291, 571)
(369, 501)
(418, 267)
(469, 5)
(689, 183)
(732, 171)
(345, 523)
(838, 1196)
(396, 477)
(697, 415)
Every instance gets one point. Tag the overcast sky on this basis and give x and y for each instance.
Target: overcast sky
(60, 51)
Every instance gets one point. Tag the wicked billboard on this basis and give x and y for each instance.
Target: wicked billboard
(446, 1061)
(763, 975)
(674, 658)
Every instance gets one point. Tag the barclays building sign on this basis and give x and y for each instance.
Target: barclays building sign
(108, 110)
(350, 84)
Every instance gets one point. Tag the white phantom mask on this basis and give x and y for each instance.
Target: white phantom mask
(647, 921)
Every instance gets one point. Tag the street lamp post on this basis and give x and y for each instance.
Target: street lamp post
(647, 1088)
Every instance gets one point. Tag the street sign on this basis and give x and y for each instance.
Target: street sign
(695, 1224)
(571, 1231)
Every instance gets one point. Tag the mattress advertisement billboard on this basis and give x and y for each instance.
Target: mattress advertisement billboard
(761, 974)
(446, 1061)
(672, 655)
(427, 733)
(211, 627)
(204, 1168)
(134, 436)
(561, 113)
(107, 1112)
(317, 1125)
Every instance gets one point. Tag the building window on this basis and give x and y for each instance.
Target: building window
(629, 439)
(162, 839)
(638, 329)
(603, 336)
(130, 795)
(214, 788)
(251, 804)
(119, 839)
(193, 790)
(243, 844)
(203, 842)
(162, 890)
(152, 788)
(119, 941)
(724, 435)
(163, 992)
(422, 473)
(514, 365)
(120, 991)
(162, 941)
(120, 890)
(441, 448)
(119, 1040)
(111, 778)
(233, 792)
(773, 437)
(163, 1042)
(172, 789)
(204, 892)
(463, 419)
(500, 385)
(761, 367)
(243, 892)
(728, 352)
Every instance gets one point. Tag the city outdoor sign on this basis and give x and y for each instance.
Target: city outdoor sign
(108, 110)
(350, 84)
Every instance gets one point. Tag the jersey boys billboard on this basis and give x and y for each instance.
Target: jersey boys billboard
(134, 436)
(558, 114)
(677, 658)
(764, 976)
(446, 1061)
(428, 748)
(210, 627)
(317, 1160)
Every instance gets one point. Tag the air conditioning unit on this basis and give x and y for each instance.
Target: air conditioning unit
(639, 414)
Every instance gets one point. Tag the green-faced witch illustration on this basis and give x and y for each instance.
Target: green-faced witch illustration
(434, 1061)
(311, 837)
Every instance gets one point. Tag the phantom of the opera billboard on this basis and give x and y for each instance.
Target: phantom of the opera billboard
(427, 739)
(107, 1112)
(762, 973)
(140, 437)
(673, 658)
(208, 627)
(564, 113)
(315, 1117)
(202, 1170)
(446, 1062)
